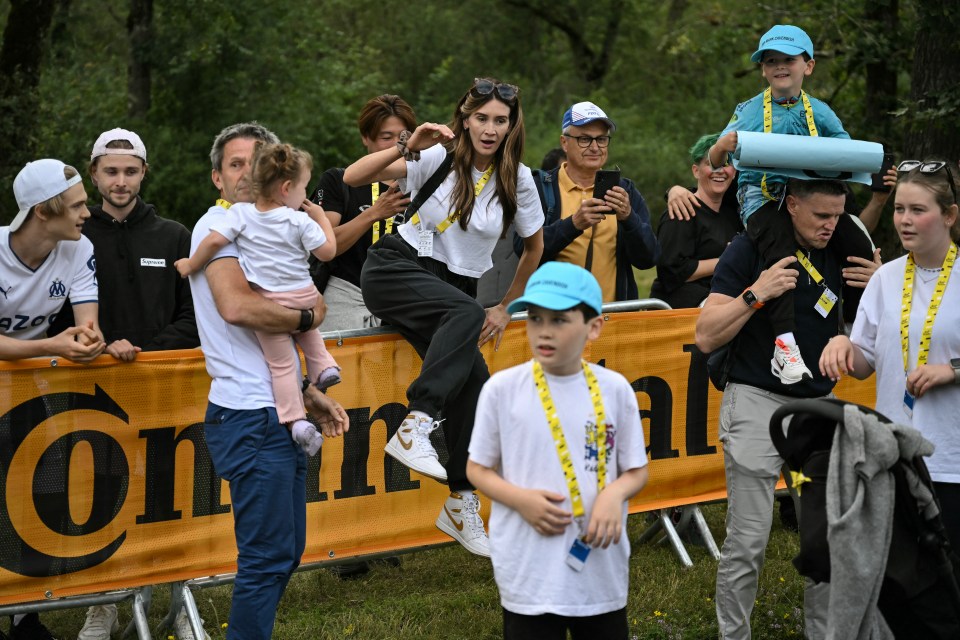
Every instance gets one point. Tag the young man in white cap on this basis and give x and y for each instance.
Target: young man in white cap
(144, 304)
(606, 236)
(44, 261)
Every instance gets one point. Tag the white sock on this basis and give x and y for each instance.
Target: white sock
(787, 338)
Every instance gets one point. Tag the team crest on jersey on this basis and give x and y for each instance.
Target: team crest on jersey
(57, 289)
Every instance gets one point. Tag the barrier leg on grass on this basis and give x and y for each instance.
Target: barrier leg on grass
(133, 627)
(673, 522)
(704, 532)
(192, 613)
(141, 603)
(664, 523)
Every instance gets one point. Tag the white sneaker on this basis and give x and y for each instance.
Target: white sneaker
(101, 623)
(460, 519)
(787, 364)
(411, 446)
(182, 629)
(307, 436)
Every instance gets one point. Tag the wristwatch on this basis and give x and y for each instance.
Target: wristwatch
(750, 299)
(955, 363)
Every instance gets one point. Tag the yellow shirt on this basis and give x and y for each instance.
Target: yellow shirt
(604, 235)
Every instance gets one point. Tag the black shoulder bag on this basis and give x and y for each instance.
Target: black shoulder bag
(425, 192)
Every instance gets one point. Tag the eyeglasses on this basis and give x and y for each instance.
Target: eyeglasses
(586, 141)
(928, 168)
(484, 87)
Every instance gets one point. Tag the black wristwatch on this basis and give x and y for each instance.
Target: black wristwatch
(750, 299)
(955, 363)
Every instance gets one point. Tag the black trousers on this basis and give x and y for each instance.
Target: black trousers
(771, 230)
(549, 626)
(436, 312)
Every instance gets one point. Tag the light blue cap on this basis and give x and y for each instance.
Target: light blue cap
(784, 38)
(559, 286)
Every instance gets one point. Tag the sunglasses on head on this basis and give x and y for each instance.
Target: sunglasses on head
(484, 87)
(930, 167)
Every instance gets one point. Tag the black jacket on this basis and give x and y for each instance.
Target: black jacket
(142, 297)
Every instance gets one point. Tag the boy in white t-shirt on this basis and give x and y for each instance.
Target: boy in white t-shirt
(559, 557)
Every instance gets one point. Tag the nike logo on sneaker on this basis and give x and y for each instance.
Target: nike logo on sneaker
(456, 523)
(406, 444)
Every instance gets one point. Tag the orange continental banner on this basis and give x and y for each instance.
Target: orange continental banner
(107, 482)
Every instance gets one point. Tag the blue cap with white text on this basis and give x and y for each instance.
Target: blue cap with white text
(559, 286)
(784, 38)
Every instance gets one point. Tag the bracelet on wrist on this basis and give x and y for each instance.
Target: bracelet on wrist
(407, 154)
(306, 320)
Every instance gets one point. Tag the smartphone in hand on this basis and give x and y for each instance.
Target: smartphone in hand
(605, 180)
(877, 183)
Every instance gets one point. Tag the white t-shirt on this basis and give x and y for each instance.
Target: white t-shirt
(467, 253)
(512, 435)
(32, 298)
(274, 245)
(241, 379)
(877, 332)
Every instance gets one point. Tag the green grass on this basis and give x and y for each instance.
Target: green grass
(447, 593)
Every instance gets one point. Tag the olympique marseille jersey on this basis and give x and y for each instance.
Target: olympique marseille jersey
(31, 299)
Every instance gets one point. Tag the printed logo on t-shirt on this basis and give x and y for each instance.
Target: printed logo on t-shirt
(5, 288)
(591, 450)
(57, 289)
(153, 262)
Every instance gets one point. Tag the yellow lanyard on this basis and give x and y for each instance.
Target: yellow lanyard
(812, 270)
(223, 203)
(386, 224)
(768, 126)
(560, 442)
(453, 217)
(924, 348)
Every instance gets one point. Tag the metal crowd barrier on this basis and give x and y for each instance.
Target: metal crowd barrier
(182, 592)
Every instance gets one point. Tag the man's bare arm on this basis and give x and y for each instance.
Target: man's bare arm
(239, 304)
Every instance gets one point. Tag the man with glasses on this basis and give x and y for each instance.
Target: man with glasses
(607, 236)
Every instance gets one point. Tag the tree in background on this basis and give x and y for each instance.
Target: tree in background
(21, 58)
(667, 72)
(933, 114)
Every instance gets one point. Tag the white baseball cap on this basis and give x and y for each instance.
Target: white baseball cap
(37, 182)
(100, 146)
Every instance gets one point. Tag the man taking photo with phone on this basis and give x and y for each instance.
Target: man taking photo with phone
(594, 218)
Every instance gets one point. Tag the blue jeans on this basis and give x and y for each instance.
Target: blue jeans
(266, 470)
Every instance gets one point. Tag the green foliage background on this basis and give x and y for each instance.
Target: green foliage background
(304, 69)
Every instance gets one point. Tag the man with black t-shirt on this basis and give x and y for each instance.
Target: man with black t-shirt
(734, 310)
(360, 216)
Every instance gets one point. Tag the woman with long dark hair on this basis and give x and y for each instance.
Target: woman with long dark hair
(423, 279)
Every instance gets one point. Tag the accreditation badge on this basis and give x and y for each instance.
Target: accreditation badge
(825, 303)
(424, 242)
(577, 556)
